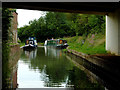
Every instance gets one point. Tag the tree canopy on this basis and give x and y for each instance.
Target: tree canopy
(58, 25)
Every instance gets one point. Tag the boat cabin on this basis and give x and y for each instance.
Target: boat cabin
(31, 40)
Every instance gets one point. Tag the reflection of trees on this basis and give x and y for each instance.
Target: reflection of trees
(58, 71)
(14, 56)
(28, 55)
(54, 68)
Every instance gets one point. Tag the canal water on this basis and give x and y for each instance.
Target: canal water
(48, 67)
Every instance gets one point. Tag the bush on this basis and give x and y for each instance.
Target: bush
(19, 41)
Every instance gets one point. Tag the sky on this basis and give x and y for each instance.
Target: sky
(24, 16)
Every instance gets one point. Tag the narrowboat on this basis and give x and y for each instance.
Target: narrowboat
(30, 43)
(58, 43)
(62, 44)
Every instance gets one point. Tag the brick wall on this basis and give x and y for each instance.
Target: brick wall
(13, 27)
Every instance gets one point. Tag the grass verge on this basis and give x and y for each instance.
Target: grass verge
(92, 44)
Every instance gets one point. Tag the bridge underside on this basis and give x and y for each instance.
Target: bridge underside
(74, 7)
(111, 10)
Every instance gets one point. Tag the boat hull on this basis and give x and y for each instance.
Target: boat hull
(62, 46)
(29, 47)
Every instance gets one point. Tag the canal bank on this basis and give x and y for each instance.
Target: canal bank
(103, 68)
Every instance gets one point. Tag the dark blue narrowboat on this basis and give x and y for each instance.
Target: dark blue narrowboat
(30, 43)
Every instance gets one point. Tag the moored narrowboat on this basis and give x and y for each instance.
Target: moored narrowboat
(30, 43)
(58, 43)
(61, 43)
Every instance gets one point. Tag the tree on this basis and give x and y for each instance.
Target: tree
(58, 25)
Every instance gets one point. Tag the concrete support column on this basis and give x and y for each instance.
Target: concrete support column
(113, 32)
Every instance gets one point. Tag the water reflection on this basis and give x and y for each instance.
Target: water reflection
(52, 51)
(49, 67)
(31, 54)
(11, 67)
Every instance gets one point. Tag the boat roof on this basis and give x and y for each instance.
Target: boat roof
(32, 37)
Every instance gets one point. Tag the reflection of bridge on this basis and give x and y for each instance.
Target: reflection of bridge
(111, 10)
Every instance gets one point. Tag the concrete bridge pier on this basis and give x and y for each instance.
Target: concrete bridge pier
(113, 32)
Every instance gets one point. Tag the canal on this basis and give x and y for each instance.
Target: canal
(48, 67)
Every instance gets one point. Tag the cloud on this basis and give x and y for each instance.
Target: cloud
(24, 16)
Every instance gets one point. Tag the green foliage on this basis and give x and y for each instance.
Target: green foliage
(59, 25)
(5, 69)
(6, 19)
(40, 44)
(19, 41)
(22, 44)
(88, 45)
(64, 50)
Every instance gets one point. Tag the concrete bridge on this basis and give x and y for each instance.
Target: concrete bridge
(110, 9)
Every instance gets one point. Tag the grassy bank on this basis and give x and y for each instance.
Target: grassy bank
(22, 44)
(92, 44)
(40, 44)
